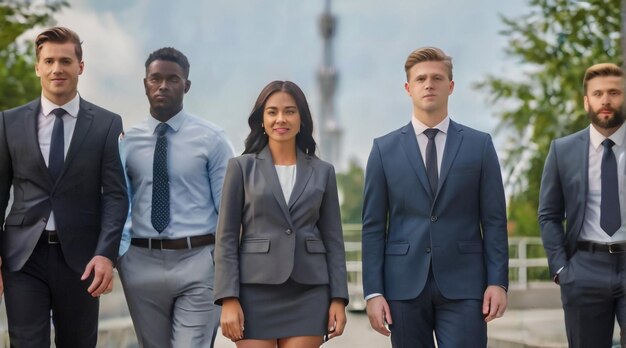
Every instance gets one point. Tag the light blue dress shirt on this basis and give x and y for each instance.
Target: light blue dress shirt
(198, 153)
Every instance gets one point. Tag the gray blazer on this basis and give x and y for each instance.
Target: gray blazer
(261, 239)
(563, 196)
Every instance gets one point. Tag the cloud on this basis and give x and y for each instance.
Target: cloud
(113, 63)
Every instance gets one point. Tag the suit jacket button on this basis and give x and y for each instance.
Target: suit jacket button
(288, 231)
(433, 218)
(427, 250)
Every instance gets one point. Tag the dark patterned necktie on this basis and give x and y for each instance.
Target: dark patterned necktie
(610, 216)
(57, 145)
(431, 159)
(160, 181)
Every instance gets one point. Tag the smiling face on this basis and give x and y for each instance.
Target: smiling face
(281, 119)
(58, 69)
(429, 86)
(165, 86)
(604, 100)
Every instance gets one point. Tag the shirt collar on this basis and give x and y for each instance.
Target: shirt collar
(596, 138)
(70, 107)
(175, 122)
(420, 127)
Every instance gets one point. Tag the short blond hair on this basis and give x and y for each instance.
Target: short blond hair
(59, 35)
(601, 69)
(428, 54)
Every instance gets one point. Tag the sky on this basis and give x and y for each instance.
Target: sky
(236, 47)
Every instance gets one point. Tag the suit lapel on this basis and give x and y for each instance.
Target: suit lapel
(414, 157)
(83, 122)
(303, 174)
(266, 165)
(32, 139)
(454, 138)
(583, 157)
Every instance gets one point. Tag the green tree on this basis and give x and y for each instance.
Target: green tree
(554, 43)
(18, 82)
(351, 186)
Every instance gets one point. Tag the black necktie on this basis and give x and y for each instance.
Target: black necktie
(431, 159)
(160, 181)
(610, 216)
(57, 145)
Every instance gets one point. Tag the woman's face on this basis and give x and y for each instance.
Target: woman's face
(281, 118)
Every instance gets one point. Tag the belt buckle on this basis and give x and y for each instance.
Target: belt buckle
(614, 250)
(50, 241)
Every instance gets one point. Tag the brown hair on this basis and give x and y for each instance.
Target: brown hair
(428, 54)
(59, 35)
(601, 69)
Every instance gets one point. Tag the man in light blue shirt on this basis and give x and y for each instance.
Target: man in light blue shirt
(175, 164)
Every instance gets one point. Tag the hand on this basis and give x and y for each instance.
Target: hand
(102, 269)
(379, 314)
(494, 302)
(336, 317)
(231, 320)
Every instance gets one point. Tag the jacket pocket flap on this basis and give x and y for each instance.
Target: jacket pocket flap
(470, 247)
(401, 248)
(255, 246)
(315, 246)
(14, 220)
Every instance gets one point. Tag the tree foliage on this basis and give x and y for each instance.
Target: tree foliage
(554, 43)
(18, 82)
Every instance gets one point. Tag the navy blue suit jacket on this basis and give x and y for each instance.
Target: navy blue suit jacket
(460, 231)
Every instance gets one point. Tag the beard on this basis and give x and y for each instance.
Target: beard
(613, 122)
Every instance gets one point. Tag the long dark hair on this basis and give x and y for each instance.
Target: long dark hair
(257, 140)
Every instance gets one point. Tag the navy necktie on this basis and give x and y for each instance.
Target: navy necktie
(160, 181)
(57, 145)
(610, 215)
(431, 160)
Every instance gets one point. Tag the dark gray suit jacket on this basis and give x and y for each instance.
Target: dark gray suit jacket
(563, 197)
(460, 232)
(261, 239)
(89, 198)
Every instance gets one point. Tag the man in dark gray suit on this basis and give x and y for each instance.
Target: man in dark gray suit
(583, 183)
(435, 253)
(60, 239)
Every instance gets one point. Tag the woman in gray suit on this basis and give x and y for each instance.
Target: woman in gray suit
(279, 260)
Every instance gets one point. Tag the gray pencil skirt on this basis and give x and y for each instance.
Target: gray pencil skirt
(284, 310)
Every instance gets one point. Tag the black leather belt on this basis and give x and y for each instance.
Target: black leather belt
(611, 248)
(174, 244)
(49, 237)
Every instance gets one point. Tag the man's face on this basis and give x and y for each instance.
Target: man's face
(604, 100)
(429, 86)
(165, 85)
(58, 68)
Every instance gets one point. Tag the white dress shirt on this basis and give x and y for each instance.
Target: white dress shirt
(45, 123)
(591, 226)
(440, 138)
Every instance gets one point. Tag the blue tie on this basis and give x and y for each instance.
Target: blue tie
(431, 160)
(160, 181)
(57, 145)
(610, 216)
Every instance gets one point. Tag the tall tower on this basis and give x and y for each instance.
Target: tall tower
(328, 124)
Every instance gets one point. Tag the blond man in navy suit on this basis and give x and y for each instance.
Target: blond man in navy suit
(435, 251)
